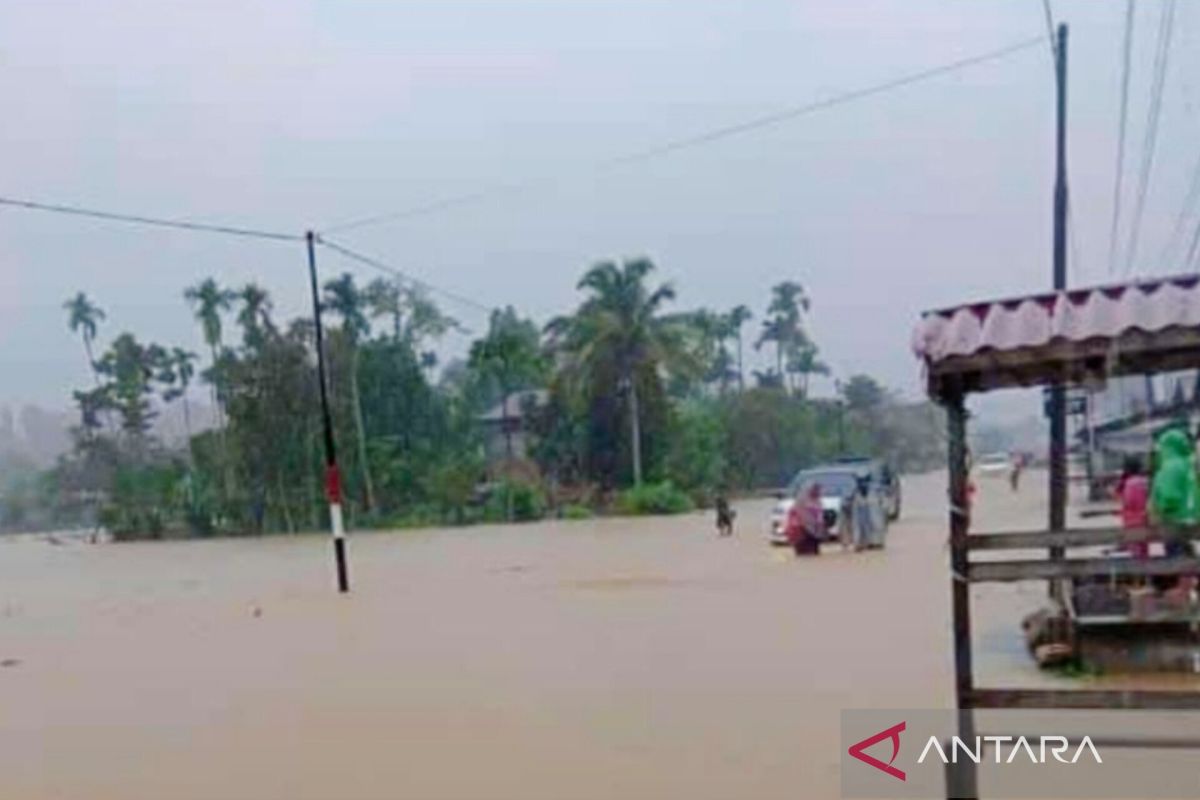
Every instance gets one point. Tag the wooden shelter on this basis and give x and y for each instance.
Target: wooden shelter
(1079, 337)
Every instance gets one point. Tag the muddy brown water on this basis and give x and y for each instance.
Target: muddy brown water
(592, 659)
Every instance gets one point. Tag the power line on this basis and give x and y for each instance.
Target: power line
(1161, 57)
(399, 273)
(708, 137)
(1050, 29)
(1126, 52)
(136, 219)
(1194, 248)
(1190, 202)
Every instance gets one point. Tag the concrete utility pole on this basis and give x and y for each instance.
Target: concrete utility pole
(1058, 406)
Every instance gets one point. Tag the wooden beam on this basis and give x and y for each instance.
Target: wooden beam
(1071, 363)
(1115, 699)
(1004, 571)
(1074, 537)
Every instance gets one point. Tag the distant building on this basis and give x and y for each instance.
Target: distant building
(506, 421)
(1130, 411)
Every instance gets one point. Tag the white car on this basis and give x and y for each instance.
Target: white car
(994, 464)
(837, 484)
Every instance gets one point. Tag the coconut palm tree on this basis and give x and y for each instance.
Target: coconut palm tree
(618, 329)
(385, 298)
(805, 363)
(783, 325)
(343, 298)
(255, 314)
(84, 316)
(208, 301)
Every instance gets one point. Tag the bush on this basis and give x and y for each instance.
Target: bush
(576, 511)
(527, 502)
(696, 458)
(654, 498)
(417, 516)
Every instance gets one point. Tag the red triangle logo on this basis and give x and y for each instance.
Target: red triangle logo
(892, 733)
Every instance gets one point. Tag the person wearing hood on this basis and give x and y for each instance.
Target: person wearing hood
(1175, 493)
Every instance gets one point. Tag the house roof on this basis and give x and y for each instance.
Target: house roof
(1074, 336)
(514, 405)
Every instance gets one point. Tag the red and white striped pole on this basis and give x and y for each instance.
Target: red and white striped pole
(333, 480)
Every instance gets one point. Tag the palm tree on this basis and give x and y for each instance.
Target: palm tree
(618, 330)
(425, 319)
(805, 363)
(180, 368)
(343, 298)
(208, 301)
(254, 315)
(783, 325)
(737, 317)
(84, 316)
(385, 298)
(773, 331)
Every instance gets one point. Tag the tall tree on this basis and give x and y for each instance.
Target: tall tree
(805, 363)
(178, 370)
(343, 298)
(863, 394)
(84, 317)
(735, 320)
(509, 356)
(208, 302)
(618, 330)
(783, 326)
(254, 315)
(133, 369)
(385, 298)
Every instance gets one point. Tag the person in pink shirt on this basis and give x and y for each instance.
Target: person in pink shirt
(1133, 490)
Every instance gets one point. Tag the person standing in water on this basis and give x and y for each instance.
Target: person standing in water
(725, 516)
(1174, 492)
(1133, 492)
(862, 520)
(806, 521)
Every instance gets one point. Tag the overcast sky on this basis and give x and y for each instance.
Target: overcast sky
(287, 115)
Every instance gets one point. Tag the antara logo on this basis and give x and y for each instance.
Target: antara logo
(1057, 747)
(893, 733)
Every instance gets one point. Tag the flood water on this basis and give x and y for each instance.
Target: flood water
(594, 659)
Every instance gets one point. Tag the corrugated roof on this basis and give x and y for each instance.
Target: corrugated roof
(1013, 342)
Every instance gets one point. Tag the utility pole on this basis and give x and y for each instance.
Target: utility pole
(1058, 406)
(333, 481)
(841, 420)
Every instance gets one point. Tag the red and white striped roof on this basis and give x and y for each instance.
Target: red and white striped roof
(1049, 328)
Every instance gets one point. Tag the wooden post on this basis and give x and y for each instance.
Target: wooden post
(960, 782)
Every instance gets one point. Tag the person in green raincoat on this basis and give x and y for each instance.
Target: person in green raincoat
(1175, 492)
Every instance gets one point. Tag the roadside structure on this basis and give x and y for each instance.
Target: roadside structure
(1065, 338)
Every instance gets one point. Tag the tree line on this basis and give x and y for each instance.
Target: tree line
(639, 407)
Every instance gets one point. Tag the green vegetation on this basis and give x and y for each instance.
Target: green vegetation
(515, 500)
(654, 498)
(641, 409)
(576, 511)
